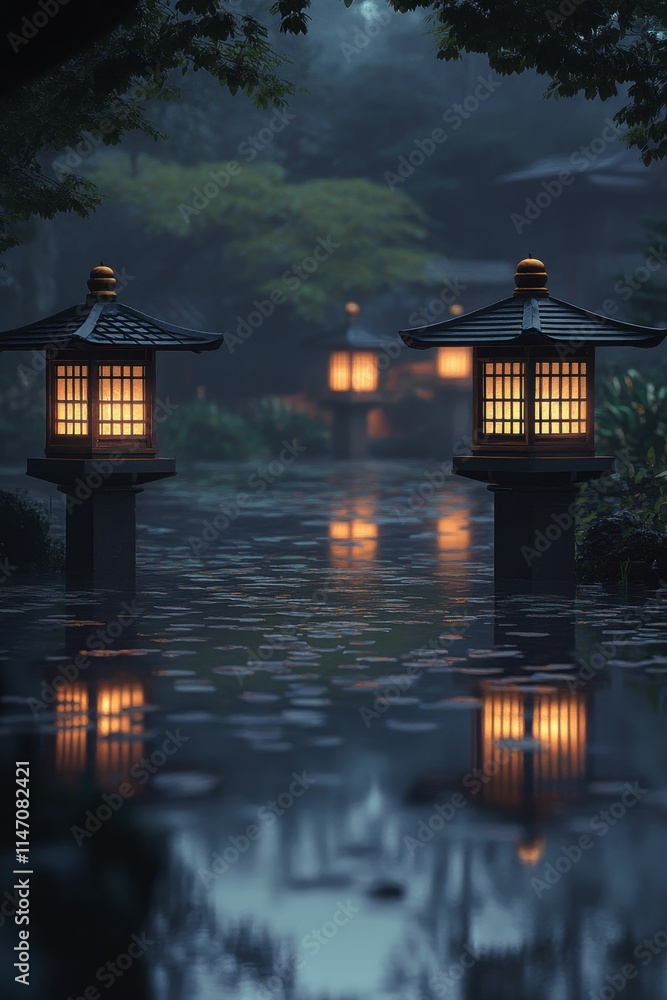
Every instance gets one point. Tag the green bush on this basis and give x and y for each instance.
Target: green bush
(620, 521)
(202, 430)
(277, 421)
(25, 542)
(631, 415)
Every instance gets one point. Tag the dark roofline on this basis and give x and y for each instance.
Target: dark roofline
(28, 337)
(453, 331)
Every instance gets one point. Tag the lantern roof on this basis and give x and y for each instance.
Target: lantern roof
(352, 335)
(532, 317)
(103, 322)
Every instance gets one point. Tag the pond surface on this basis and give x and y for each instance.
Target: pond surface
(314, 757)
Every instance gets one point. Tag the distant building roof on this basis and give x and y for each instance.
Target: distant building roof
(622, 168)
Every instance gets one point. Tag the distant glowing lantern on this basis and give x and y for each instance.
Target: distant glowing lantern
(355, 358)
(454, 363)
(353, 371)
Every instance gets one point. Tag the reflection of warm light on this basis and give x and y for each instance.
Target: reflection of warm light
(71, 391)
(353, 535)
(117, 750)
(550, 773)
(122, 393)
(454, 534)
(530, 851)
(71, 721)
(560, 397)
(454, 362)
(559, 723)
(354, 371)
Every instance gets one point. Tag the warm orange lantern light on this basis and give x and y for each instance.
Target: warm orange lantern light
(114, 709)
(119, 724)
(535, 400)
(96, 407)
(557, 764)
(72, 720)
(454, 362)
(454, 534)
(353, 536)
(353, 371)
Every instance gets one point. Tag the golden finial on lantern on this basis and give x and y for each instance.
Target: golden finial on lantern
(352, 310)
(530, 279)
(101, 284)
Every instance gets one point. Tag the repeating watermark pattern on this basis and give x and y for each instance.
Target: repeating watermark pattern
(30, 27)
(450, 293)
(551, 190)
(433, 481)
(116, 968)
(362, 37)
(71, 158)
(453, 117)
(646, 951)
(565, 9)
(600, 825)
(605, 651)
(267, 815)
(218, 180)
(311, 943)
(474, 781)
(258, 482)
(290, 282)
(443, 982)
(141, 772)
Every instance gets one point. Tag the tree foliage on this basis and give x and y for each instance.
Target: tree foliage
(599, 48)
(263, 228)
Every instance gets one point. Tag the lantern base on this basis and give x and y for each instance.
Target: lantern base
(534, 498)
(349, 432)
(100, 535)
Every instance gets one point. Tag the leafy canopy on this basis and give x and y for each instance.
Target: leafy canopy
(261, 225)
(596, 47)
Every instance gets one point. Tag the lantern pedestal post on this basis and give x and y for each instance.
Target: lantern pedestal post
(349, 432)
(533, 539)
(100, 519)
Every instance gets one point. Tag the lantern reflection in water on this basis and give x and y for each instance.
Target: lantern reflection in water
(119, 724)
(103, 724)
(530, 780)
(454, 535)
(353, 536)
(72, 719)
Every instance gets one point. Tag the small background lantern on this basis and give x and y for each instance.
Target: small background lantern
(533, 439)
(100, 414)
(355, 360)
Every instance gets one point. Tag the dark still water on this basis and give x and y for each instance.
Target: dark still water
(314, 757)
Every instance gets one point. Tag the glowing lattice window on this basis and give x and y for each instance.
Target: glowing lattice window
(122, 396)
(503, 401)
(72, 399)
(560, 397)
(353, 370)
